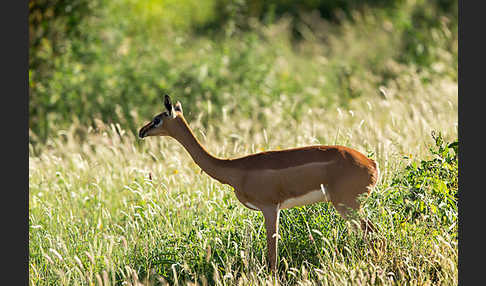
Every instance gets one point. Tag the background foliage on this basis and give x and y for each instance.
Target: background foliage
(112, 59)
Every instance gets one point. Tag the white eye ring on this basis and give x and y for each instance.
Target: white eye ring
(157, 122)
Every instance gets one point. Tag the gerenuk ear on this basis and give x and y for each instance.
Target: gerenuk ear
(167, 102)
(178, 107)
(168, 106)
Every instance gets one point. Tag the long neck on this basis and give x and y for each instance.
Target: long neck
(219, 169)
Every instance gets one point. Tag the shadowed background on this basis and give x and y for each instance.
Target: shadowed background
(112, 60)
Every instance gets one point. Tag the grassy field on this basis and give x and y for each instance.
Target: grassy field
(106, 208)
(111, 208)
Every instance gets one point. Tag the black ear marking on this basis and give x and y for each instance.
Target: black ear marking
(169, 106)
(168, 103)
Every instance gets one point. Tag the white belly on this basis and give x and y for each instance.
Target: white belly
(307, 199)
(251, 206)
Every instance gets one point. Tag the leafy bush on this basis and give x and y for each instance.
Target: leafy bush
(426, 192)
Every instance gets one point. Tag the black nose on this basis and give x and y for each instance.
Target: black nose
(141, 134)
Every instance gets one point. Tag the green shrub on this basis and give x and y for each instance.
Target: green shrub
(426, 192)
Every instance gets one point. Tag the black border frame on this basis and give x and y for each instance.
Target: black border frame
(14, 116)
